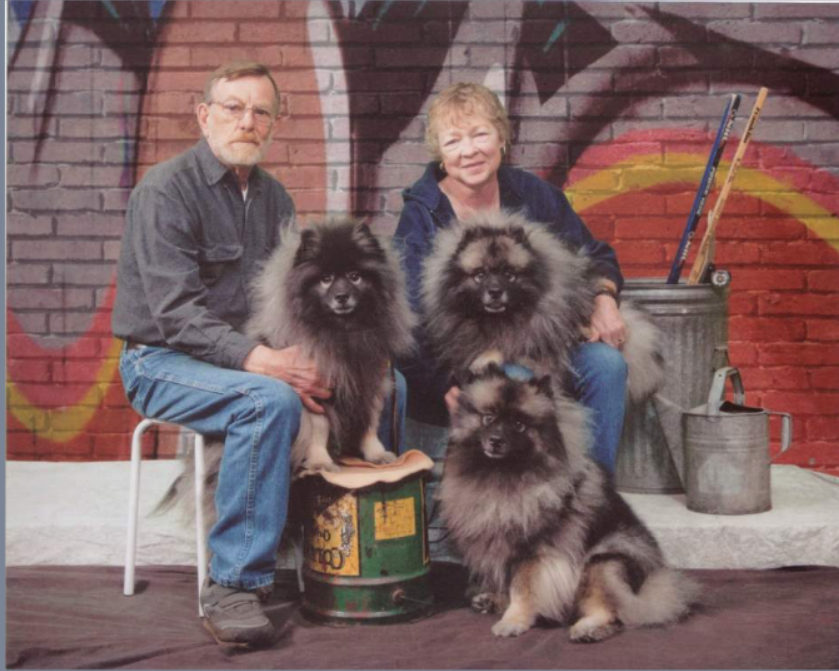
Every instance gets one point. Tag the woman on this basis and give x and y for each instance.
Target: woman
(468, 135)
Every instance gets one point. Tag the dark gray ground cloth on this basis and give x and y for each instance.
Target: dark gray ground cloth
(76, 617)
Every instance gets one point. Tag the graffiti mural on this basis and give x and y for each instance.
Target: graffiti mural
(615, 103)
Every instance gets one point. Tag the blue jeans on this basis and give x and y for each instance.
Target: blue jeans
(599, 383)
(259, 417)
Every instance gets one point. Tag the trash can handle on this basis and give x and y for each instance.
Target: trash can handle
(717, 394)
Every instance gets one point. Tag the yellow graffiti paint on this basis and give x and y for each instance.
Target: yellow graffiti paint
(645, 172)
(61, 425)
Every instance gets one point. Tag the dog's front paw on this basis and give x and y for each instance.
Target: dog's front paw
(488, 602)
(312, 467)
(588, 630)
(483, 360)
(508, 627)
(383, 458)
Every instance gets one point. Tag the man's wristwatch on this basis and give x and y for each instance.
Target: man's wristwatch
(608, 291)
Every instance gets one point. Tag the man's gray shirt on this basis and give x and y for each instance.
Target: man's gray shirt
(191, 248)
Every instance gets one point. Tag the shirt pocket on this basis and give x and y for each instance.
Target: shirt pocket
(218, 262)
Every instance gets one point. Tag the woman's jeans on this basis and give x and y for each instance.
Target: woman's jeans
(599, 383)
(259, 417)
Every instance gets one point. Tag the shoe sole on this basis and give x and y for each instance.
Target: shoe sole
(223, 643)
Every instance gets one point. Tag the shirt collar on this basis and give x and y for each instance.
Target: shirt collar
(214, 170)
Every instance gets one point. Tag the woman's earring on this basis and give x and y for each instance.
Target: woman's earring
(442, 166)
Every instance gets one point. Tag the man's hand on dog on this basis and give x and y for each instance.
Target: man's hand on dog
(293, 367)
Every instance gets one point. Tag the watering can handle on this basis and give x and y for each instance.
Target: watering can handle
(717, 393)
(786, 431)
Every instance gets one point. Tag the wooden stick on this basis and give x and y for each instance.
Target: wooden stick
(705, 254)
(704, 189)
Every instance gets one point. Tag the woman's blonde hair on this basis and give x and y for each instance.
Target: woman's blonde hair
(461, 100)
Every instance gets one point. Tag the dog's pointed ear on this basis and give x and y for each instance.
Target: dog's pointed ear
(307, 249)
(520, 236)
(368, 240)
(543, 385)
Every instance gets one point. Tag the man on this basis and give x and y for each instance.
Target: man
(197, 228)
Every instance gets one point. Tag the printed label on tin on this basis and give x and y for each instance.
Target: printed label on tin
(333, 543)
(395, 519)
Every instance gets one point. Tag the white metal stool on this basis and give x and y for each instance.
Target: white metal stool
(134, 503)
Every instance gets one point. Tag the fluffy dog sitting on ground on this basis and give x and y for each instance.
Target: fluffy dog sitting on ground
(539, 523)
(336, 290)
(498, 282)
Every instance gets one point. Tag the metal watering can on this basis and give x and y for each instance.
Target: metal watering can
(721, 449)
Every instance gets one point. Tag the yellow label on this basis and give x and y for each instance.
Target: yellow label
(333, 541)
(395, 519)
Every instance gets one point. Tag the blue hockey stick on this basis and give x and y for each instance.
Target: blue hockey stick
(704, 187)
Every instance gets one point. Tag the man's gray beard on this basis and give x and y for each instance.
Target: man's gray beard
(235, 160)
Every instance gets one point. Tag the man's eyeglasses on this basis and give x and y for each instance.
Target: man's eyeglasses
(261, 116)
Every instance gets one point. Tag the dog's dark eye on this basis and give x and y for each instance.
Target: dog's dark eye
(479, 276)
(519, 427)
(354, 277)
(488, 419)
(327, 279)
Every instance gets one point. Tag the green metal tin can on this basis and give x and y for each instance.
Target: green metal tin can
(366, 557)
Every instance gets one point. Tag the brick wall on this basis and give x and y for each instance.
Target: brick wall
(616, 103)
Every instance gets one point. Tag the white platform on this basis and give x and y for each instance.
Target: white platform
(68, 513)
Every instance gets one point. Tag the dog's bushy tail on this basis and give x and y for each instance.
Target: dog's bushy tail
(665, 597)
(642, 352)
(181, 493)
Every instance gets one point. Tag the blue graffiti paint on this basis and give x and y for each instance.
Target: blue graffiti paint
(22, 10)
(156, 8)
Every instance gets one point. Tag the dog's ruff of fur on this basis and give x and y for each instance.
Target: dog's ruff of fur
(542, 335)
(554, 541)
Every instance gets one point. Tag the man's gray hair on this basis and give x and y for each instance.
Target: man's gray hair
(237, 69)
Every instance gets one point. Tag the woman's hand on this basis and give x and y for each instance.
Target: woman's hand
(292, 366)
(607, 324)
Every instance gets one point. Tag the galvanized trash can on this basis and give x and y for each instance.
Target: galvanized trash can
(694, 322)
(366, 554)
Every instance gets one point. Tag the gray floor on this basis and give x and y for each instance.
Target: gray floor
(75, 514)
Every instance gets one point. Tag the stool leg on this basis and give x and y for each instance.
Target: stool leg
(133, 507)
(200, 534)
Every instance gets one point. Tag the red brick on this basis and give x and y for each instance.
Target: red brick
(56, 152)
(78, 175)
(804, 10)
(58, 250)
(22, 224)
(809, 454)
(640, 252)
(744, 279)
(826, 330)
(754, 32)
(801, 403)
(75, 322)
(823, 280)
(234, 10)
(756, 329)
(27, 273)
(775, 378)
(273, 32)
(742, 354)
(825, 378)
(49, 299)
(27, 370)
(192, 32)
(112, 446)
(822, 428)
(806, 304)
(803, 354)
(742, 304)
